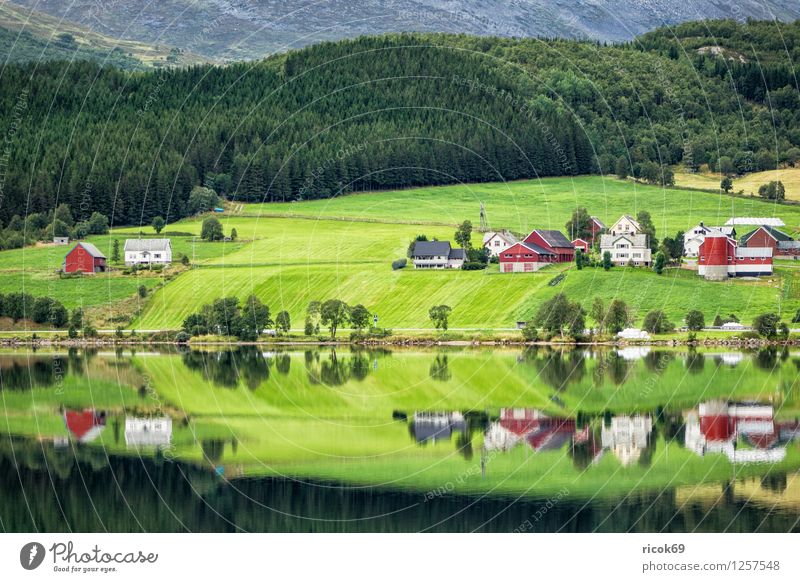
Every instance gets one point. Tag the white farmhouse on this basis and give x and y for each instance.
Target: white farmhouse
(148, 251)
(497, 241)
(694, 237)
(148, 431)
(437, 255)
(626, 243)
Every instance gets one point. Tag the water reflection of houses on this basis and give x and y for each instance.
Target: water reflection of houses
(732, 359)
(435, 426)
(540, 431)
(85, 425)
(744, 432)
(633, 353)
(627, 436)
(143, 432)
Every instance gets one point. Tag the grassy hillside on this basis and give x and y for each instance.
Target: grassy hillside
(748, 183)
(292, 260)
(31, 36)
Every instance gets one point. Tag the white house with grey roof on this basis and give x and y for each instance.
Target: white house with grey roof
(148, 251)
(626, 243)
(435, 254)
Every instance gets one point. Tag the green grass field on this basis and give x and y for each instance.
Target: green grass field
(292, 253)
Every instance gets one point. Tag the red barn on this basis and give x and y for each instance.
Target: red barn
(524, 257)
(553, 241)
(84, 258)
(579, 243)
(767, 236)
(596, 226)
(719, 258)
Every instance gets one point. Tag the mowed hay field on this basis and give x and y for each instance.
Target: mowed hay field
(546, 203)
(344, 247)
(749, 183)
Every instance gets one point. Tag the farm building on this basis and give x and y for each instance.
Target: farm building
(148, 431)
(60, 240)
(437, 255)
(581, 244)
(554, 242)
(524, 257)
(768, 236)
(693, 238)
(627, 436)
(84, 425)
(84, 258)
(497, 241)
(626, 243)
(596, 227)
(148, 251)
(720, 257)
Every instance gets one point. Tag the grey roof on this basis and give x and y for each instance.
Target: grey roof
(92, 250)
(598, 221)
(537, 249)
(147, 244)
(789, 244)
(428, 248)
(555, 238)
(457, 254)
(637, 240)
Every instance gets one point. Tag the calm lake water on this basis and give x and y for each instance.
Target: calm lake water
(495, 440)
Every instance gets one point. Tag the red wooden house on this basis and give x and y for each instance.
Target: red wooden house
(579, 243)
(596, 226)
(84, 258)
(524, 257)
(553, 241)
(767, 236)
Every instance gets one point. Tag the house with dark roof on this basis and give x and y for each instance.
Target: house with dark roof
(435, 254)
(84, 258)
(769, 236)
(148, 251)
(524, 257)
(553, 241)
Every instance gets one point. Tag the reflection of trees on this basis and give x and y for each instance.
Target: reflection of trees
(657, 361)
(766, 358)
(225, 368)
(359, 365)
(611, 364)
(559, 369)
(775, 482)
(649, 450)
(213, 449)
(440, 369)
(583, 453)
(283, 363)
(38, 373)
(334, 371)
(695, 363)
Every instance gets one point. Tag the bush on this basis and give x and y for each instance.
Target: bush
(473, 266)
(695, 320)
(767, 324)
(399, 264)
(656, 322)
(530, 333)
(142, 291)
(182, 337)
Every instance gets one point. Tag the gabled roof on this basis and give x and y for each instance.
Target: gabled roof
(771, 231)
(537, 249)
(503, 234)
(91, 249)
(427, 248)
(597, 221)
(147, 244)
(457, 254)
(636, 240)
(555, 238)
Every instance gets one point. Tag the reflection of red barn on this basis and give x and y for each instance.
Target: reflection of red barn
(540, 431)
(722, 422)
(85, 425)
(84, 258)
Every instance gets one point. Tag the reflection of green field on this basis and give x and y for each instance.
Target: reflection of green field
(287, 425)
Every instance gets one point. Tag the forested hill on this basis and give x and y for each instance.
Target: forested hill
(379, 112)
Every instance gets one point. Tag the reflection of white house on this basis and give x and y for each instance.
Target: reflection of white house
(626, 243)
(147, 251)
(156, 432)
(718, 427)
(633, 353)
(627, 436)
(495, 242)
(694, 237)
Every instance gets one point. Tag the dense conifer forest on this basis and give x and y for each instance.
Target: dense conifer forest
(394, 111)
